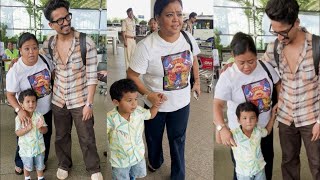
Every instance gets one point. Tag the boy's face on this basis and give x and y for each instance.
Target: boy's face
(128, 103)
(29, 104)
(248, 120)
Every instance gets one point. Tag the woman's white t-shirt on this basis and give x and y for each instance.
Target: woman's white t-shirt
(166, 68)
(236, 87)
(38, 77)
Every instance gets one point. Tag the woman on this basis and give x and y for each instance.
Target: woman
(30, 71)
(245, 80)
(164, 58)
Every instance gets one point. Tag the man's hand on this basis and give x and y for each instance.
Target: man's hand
(315, 132)
(226, 137)
(86, 113)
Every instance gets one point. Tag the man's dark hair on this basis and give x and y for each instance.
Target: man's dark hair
(53, 5)
(119, 88)
(247, 107)
(241, 43)
(284, 11)
(159, 5)
(26, 37)
(192, 15)
(25, 93)
(129, 9)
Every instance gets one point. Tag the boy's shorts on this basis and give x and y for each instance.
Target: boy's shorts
(30, 162)
(261, 175)
(136, 171)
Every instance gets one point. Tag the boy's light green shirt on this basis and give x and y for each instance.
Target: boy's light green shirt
(125, 137)
(248, 154)
(32, 143)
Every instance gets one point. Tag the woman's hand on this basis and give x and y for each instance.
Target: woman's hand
(196, 88)
(156, 98)
(226, 137)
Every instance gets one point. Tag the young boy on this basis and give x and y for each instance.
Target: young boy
(31, 141)
(247, 154)
(125, 125)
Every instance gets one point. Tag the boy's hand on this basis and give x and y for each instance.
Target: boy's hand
(40, 123)
(29, 126)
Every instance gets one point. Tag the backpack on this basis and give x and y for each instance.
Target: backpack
(83, 47)
(315, 52)
(191, 47)
(274, 96)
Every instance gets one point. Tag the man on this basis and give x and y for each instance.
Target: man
(188, 24)
(298, 106)
(129, 35)
(73, 91)
(11, 53)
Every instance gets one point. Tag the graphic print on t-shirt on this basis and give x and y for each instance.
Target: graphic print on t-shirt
(176, 70)
(258, 93)
(40, 83)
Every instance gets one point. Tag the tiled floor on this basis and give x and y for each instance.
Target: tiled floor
(199, 143)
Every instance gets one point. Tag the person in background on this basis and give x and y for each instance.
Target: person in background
(164, 59)
(11, 52)
(188, 24)
(153, 26)
(129, 36)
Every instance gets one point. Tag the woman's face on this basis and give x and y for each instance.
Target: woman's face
(246, 62)
(29, 52)
(170, 19)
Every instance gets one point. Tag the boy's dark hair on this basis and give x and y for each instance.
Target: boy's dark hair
(284, 11)
(192, 15)
(25, 93)
(159, 5)
(53, 5)
(247, 107)
(26, 37)
(121, 87)
(241, 43)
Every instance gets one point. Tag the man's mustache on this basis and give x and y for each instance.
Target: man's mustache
(61, 27)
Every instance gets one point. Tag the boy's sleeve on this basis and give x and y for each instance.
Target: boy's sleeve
(146, 113)
(108, 123)
(18, 124)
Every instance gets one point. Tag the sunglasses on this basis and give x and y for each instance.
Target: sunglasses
(284, 34)
(60, 21)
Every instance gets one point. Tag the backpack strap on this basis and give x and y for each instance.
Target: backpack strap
(316, 52)
(49, 47)
(45, 61)
(266, 69)
(83, 47)
(275, 52)
(187, 39)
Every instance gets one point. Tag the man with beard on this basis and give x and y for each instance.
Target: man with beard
(298, 103)
(73, 91)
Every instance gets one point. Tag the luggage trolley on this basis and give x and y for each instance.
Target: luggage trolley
(206, 68)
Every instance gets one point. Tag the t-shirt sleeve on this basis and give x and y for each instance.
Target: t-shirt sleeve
(139, 60)
(196, 49)
(17, 123)
(12, 84)
(223, 89)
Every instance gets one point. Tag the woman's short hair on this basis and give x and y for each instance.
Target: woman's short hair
(241, 43)
(26, 37)
(159, 5)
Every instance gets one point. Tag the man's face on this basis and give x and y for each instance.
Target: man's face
(61, 21)
(130, 14)
(285, 32)
(194, 19)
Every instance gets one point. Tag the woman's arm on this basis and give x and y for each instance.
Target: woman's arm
(225, 133)
(196, 85)
(154, 97)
